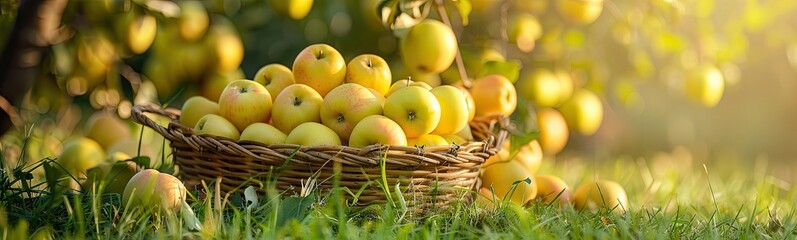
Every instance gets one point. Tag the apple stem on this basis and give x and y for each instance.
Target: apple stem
(458, 57)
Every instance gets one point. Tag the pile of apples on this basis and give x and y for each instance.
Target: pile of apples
(323, 100)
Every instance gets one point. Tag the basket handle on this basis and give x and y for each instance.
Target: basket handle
(173, 114)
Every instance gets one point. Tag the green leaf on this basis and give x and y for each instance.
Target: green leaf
(142, 161)
(464, 8)
(523, 133)
(509, 69)
(294, 208)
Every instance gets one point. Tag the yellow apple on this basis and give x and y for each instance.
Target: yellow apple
(312, 134)
(553, 130)
(244, 102)
(346, 105)
(296, 104)
(431, 79)
(193, 20)
(583, 112)
(370, 71)
(453, 110)
(80, 155)
(524, 30)
(415, 109)
(294, 9)
(263, 133)
(275, 77)
(529, 156)
(215, 83)
(455, 139)
(215, 125)
(106, 128)
(469, 101)
(196, 107)
(566, 84)
(429, 47)
(494, 94)
(428, 140)
(601, 194)
(550, 188)
(406, 83)
(580, 11)
(499, 177)
(705, 84)
(321, 67)
(542, 88)
(154, 190)
(136, 31)
(226, 50)
(377, 129)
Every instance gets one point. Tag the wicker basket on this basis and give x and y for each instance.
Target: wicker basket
(428, 176)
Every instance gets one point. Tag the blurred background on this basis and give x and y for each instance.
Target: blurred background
(638, 56)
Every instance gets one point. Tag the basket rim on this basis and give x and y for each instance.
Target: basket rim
(177, 132)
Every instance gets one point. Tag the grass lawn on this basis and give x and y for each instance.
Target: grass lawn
(670, 197)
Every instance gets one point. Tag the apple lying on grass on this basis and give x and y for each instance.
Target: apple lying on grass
(154, 190)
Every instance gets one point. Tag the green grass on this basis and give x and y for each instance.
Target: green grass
(669, 197)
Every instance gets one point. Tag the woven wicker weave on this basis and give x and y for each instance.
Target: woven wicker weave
(428, 176)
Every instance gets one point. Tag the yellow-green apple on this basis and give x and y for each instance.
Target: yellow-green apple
(378, 96)
(275, 77)
(465, 133)
(579, 11)
(106, 128)
(154, 190)
(705, 84)
(226, 50)
(566, 84)
(215, 83)
(193, 20)
(428, 140)
(80, 155)
(553, 130)
(215, 125)
(429, 47)
(244, 102)
(494, 94)
(583, 112)
(543, 88)
(524, 30)
(136, 31)
(601, 194)
(296, 104)
(406, 83)
(499, 177)
(370, 71)
(453, 110)
(196, 107)
(550, 188)
(377, 129)
(415, 109)
(312, 134)
(431, 79)
(294, 9)
(263, 133)
(469, 101)
(321, 67)
(454, 139)
(346, 105)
